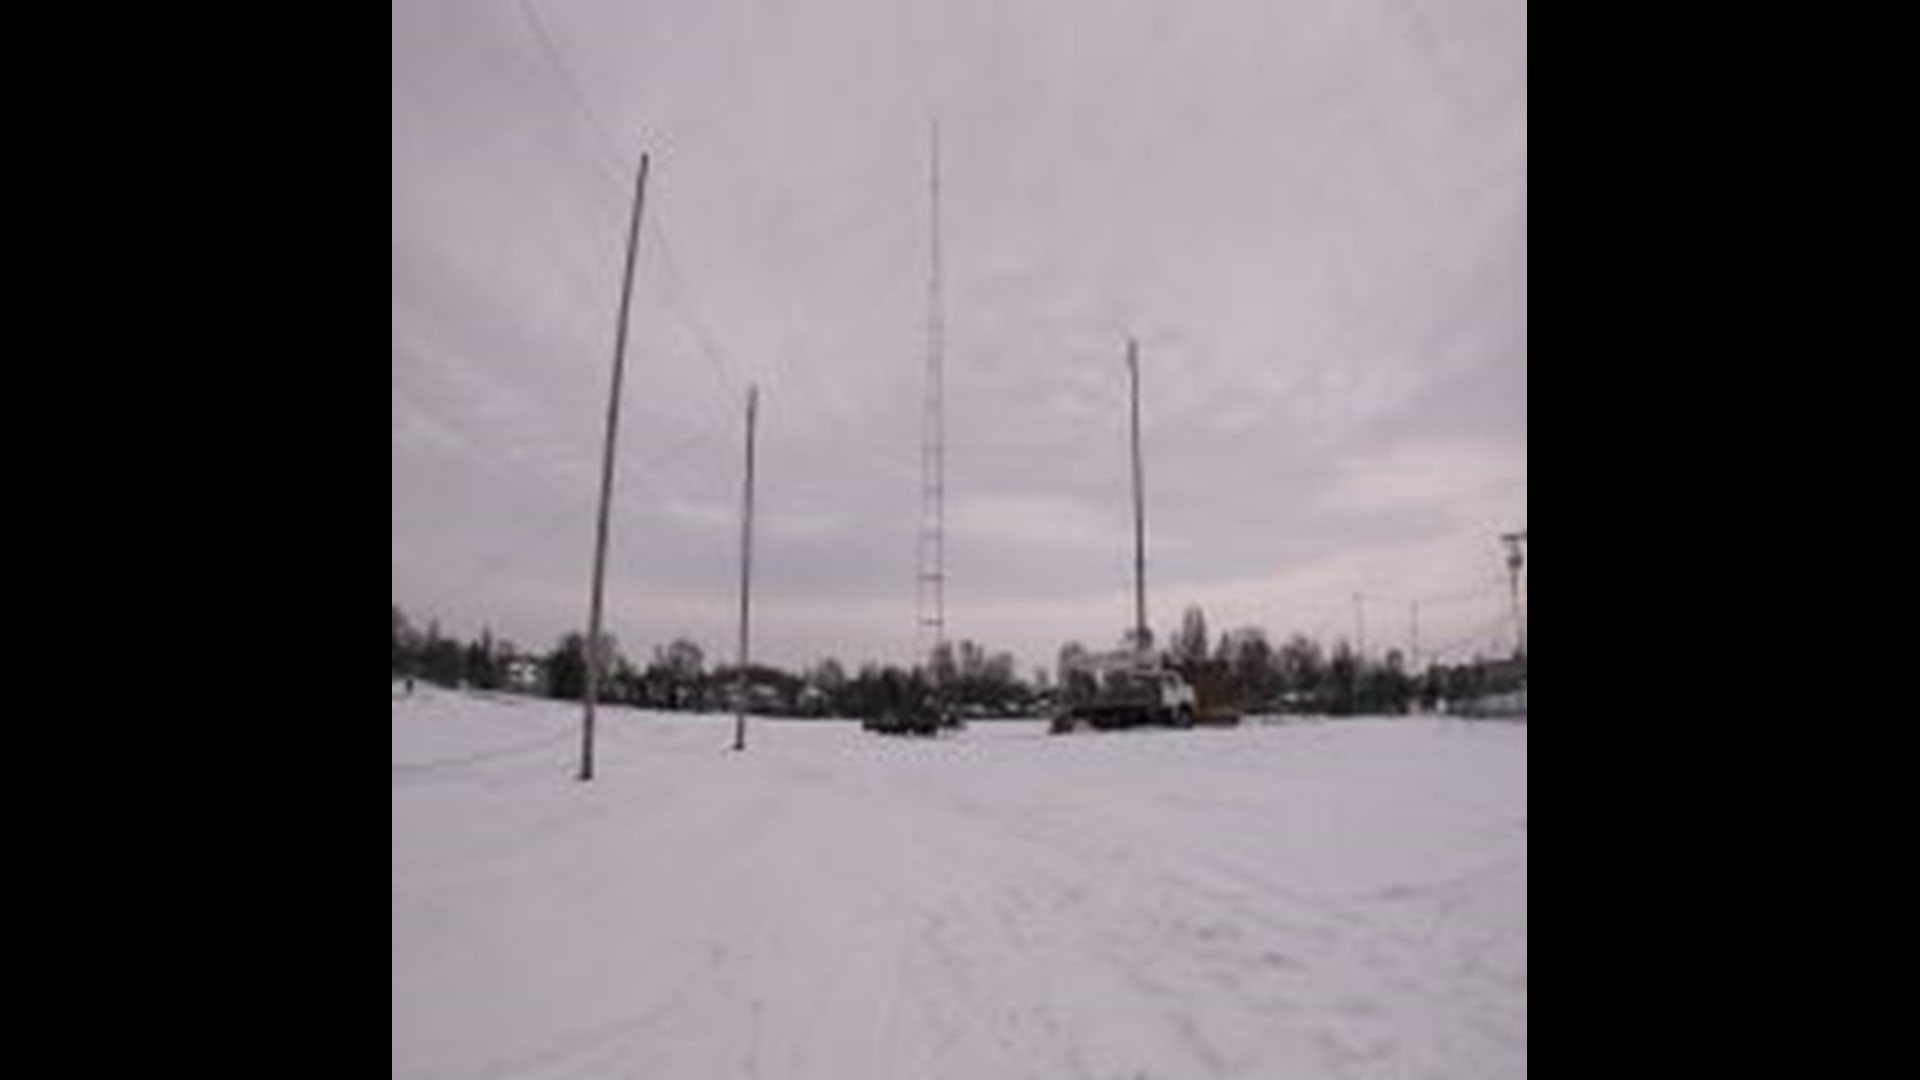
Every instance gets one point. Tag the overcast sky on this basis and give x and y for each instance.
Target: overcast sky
(1311, 213)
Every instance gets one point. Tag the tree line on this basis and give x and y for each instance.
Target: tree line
(1239, 671)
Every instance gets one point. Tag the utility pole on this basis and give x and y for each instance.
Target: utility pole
(1414, 675)
(746, 578)
(1413, 649)
(593, 658)
(1359, 629)
(1140, 639)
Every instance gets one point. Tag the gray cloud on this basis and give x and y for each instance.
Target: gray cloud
(1311, 214)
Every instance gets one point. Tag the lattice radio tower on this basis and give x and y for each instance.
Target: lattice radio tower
(932, 573)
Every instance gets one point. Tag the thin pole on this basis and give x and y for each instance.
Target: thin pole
(938, 352)
(1360, 627)
(1519, 622)
(592, 692)
(1413, 656)
(1139, 509)
(746, 578)
(1413, 648)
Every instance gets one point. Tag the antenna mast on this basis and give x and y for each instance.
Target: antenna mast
(932, 574)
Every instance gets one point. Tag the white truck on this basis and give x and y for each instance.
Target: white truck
(1123, 689)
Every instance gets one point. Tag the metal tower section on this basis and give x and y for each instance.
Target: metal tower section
(1516, 562)
(932, 578)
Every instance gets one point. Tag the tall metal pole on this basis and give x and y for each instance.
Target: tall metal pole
(938, 352)
(592, 690)
(1413, 650)
(931, 581)
(746, 578)
(1360, 627)
(1139, 509)
(1417, 679)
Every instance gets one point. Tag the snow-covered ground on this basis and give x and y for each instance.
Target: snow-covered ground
(1341, 899)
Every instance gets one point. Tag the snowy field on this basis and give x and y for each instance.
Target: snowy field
(1340, 899)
